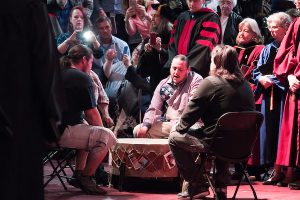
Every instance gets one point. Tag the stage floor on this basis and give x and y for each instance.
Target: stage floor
(166, 189)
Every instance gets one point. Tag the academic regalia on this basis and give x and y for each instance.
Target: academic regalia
(271, 105)
(195, 35)
(287, 62)
(248, 56)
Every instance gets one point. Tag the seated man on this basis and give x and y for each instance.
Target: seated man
(169, 100)
(91, 138)
(225, 90)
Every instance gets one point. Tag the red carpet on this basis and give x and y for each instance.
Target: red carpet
(165, 191)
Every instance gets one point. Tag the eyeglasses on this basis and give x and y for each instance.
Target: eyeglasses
(273, 27)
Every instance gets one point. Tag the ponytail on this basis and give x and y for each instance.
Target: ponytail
(65, 62)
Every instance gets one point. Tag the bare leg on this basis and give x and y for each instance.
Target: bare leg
(93, 162)
(81, 157)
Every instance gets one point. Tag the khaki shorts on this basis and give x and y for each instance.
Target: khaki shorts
(87, 137)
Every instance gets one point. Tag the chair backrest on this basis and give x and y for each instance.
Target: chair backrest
(235, 135)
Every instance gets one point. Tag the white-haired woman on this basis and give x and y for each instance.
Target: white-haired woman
(249, 45)
(229, 21)
(272, 92)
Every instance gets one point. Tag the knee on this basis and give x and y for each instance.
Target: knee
(105, 138)
(172, 140)
(111, 138)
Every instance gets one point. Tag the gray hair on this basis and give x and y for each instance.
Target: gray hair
(283, 18)
(234, 2)
(254, 27)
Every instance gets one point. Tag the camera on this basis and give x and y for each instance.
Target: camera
(87, 35)
(152, 39)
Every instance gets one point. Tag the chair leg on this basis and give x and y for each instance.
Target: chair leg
(211, 186)
(250, 184)
(55, 173)
(121, 176)
(237, 187)
(248, 181)
(206, 174)
(61, 164)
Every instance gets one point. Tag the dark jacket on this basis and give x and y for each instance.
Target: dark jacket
(232, 29)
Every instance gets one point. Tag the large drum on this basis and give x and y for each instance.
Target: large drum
(142, 157)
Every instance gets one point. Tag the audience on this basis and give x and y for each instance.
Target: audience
(137, 19)
(81, 121)
(101, 98)
(61, 9)
(79, 33)
(225, 90)
(229, 21)
(194, 34)
(108, 42)
(169, 100)
(115, 74)
(272, 91)
(154, 55)
(176, 6)
(115, 12)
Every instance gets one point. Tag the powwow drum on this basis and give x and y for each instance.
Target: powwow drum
(142, 157)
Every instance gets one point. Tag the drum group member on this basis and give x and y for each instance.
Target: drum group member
(169, 100)
(195, 33)
(91, 138)
(225, 90)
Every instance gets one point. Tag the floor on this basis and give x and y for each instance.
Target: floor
(166, 189)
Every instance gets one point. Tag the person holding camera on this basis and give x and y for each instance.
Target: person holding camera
(79, 33)
(154, 52)
(137, 19)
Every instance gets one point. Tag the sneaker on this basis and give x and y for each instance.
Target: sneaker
(74, 181)
(89, 186)
(184, 194)
(184, 190)
(294, 185)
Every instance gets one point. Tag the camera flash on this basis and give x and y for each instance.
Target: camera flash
(87, 35)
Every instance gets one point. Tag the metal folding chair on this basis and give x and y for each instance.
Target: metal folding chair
(58, 159)
(232, 140)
